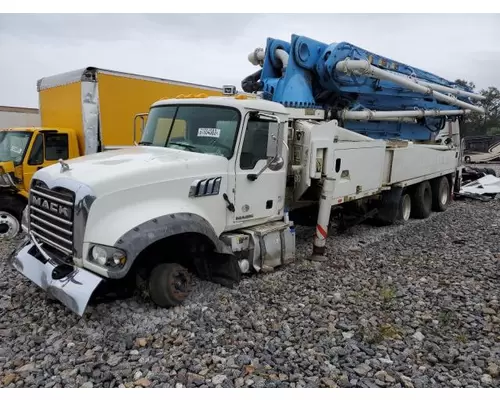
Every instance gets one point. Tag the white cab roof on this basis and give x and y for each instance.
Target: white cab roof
(250, 104)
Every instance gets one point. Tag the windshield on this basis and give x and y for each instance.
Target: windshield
(198, 128)
(13, 145)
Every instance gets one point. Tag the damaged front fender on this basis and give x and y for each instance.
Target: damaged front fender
(222, 265)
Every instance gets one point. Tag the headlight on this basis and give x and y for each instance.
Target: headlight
(99, 255)
(5, 179)
(106, 256)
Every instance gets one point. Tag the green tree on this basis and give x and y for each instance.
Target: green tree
(476, 124)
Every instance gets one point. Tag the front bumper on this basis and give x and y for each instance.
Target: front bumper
(71, 285)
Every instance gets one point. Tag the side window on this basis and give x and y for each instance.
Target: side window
(56, 146)
(36, 155)
(255, 143)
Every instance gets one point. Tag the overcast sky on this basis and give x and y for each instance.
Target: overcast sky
(212, 49)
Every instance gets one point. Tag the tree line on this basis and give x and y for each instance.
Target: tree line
(487, 124)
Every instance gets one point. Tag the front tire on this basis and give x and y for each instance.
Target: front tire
(11, 211)
(169, 284)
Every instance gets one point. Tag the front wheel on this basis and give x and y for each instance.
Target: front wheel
(169, 284)
(11, 210)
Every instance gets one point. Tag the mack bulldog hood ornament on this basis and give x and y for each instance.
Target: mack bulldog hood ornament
(64, 165)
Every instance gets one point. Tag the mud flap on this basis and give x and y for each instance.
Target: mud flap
(72, 286)
(224, 269)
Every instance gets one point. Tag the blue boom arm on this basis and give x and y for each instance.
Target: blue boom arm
(305, 74)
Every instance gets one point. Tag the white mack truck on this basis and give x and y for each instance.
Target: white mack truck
(208, 189)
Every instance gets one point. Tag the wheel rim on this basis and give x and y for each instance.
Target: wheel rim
(179, 284)
(9, 225)
(406, 207)
(444, 197)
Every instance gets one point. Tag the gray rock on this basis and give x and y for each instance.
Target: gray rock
(218, 379)
(26, 368)
(348, 335)
(362, 369)
(493, 370)
(239, 382)
(114, 360)
(486, 379)
(195, 378)
(384, 377)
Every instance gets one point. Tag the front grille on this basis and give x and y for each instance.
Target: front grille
(51, 216)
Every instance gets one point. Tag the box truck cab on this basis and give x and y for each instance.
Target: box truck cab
(23, 151)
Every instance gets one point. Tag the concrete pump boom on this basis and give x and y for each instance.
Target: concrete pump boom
(367, 93)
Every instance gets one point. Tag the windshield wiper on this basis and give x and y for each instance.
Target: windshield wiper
(145, 143)
(185, 145)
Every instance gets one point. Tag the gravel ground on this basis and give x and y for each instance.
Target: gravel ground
(403, 306)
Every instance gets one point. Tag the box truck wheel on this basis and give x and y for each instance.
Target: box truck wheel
(169, 284)
(11, 211)
(440, 194)
(422, 200)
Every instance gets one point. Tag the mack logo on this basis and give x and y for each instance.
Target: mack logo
(50, 206)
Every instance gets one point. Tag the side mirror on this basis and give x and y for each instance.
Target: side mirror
(273, 140)
(142, 116)
(275, 143)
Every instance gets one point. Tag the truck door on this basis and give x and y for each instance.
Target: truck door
(262, 198)
(47, 148)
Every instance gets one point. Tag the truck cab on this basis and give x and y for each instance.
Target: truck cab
(207, 170)
(23, 151)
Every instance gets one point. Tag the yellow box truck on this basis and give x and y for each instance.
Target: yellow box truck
(81, 112)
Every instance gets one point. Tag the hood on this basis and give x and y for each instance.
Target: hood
(113, 170)
(7, 166)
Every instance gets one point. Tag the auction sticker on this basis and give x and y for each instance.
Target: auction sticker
(209, 132)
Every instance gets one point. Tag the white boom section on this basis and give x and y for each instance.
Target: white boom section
(447, 89)
(363, 67)
(369, 115)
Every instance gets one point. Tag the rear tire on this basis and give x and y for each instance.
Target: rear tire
(405, 207)
(422, 200)
(169, 284)
(440, 194)
(389, 207)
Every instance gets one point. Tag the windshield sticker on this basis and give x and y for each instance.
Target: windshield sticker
(15, 149)
(209, 132)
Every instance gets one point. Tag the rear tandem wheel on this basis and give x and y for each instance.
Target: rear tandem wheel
(422, 200)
